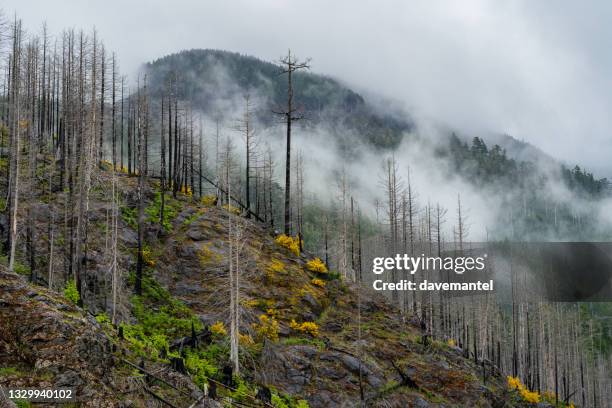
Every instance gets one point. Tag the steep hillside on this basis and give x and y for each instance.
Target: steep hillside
(307, 336)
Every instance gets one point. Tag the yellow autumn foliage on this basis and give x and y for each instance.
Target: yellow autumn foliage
(316, 265)
(219, 329)
(451, 343)
(292, 244)
(245, 339)
(514, 383)
(208, 200)
(250, 303)
(276, 266)
(186, 190)
(147, 257)
(318, 282)
(532, 397)
(306, 327)
(267, 327)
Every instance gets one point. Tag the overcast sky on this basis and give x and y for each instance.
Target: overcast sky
(538, 70)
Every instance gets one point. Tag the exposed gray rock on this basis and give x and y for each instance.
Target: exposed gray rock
(331, 372)
(375, 381)
(334, 327)
(195, 234)
(68, 379)
(189, 250)
(420, 403)
(128, 237)
(314, 305)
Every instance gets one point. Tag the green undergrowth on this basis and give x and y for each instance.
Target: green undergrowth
(70, 291)
(192, 218)
(160, 319)
(171, 209)
(302, 341)
(18, 267)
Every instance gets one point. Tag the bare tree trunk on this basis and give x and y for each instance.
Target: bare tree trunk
(291, 65)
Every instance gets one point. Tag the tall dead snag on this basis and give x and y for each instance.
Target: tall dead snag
(141, 130)
(115, 281)
(175, 167)
(200, 157)
(113, 97)
(343, 217)
(290, 65)
(394, 188)
(170, 133)
(14, 135)
(122, 154)
(268, 185)
(31, 135)
(462, 228)
(245, 127)
(162, 182)
(102, 102)
(129, 133)
(299, 195)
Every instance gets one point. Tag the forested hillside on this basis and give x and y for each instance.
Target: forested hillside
(215, 81)
(151, 259)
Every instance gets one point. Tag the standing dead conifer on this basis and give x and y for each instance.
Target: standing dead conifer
(290, 65)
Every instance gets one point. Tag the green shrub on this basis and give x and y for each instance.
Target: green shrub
(103, 318)
(130, 216)
(171, 210)
(71, 293)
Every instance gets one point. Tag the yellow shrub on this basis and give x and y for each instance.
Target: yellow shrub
(245, 339)
(451, 343)
(514, 383)
(316, 265)
(219, 329)
(530, 396)
(250, 303)
(186, 190)
(208, 200)
(306, 327)
(277, 266)
(318, 282)
(147, 257)
(292, 244)
(267, 327)
(275, 273)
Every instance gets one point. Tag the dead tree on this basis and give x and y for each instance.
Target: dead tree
(142, 130)
(245, 127)
(290, 65)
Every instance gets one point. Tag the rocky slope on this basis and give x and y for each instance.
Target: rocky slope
(47, 342)
(307, 337)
